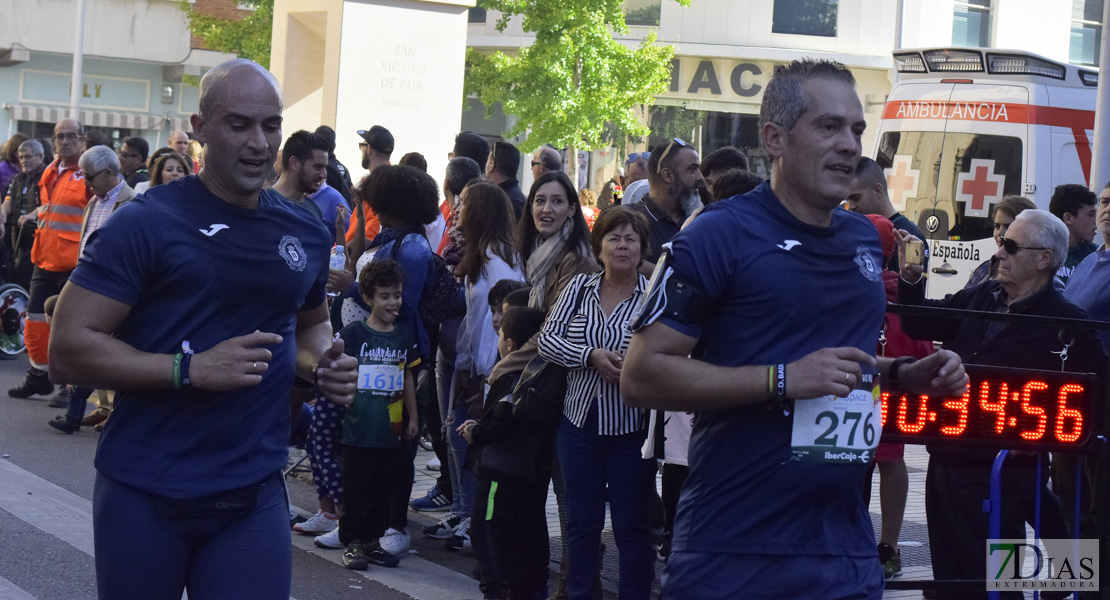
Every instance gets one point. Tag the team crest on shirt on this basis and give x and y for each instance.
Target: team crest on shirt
(291, 250)
(867, 264)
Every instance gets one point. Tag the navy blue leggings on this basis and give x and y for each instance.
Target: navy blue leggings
(142, 554)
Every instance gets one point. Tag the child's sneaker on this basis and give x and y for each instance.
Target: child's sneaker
(380, 557)
(434, 501)
(319, 523)
(445, 528)
(461, 538)
(354, 558)
(891, 559)
(329, 540)
(395, 542)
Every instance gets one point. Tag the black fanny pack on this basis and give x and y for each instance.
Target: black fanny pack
(239, 501)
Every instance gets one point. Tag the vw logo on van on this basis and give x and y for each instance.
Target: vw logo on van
(932, 224)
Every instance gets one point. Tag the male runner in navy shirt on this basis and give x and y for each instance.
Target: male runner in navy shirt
(189, 492)
(770, 297)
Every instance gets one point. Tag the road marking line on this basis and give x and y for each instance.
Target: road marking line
(43, 505)
(10, 591)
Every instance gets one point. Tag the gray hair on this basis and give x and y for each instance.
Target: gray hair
(550, 159)
(97, 159)
(785, 100)
(460, 171)
(216, 76)
(1047, 231)
(33, 145)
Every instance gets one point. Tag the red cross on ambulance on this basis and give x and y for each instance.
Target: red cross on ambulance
(979, 187)
(901, 181)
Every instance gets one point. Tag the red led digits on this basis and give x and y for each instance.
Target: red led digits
(999, 408)
(884, 399)
(922, 415)
(961, 405)
(1030, 409)
(1065, 414)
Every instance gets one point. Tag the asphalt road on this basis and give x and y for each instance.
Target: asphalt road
(46, 484)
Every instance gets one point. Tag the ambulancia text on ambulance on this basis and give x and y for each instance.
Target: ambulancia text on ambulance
(963, 128)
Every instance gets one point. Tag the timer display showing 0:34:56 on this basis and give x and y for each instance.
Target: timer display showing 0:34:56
(1003, 408)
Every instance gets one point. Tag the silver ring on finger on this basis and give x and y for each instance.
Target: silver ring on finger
(848, 379)
(254, 366)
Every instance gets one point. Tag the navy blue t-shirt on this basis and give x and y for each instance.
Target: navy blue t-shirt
(779, 289)
(194, 267)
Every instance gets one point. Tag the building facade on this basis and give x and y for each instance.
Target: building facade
(726, 50)
(138, 59)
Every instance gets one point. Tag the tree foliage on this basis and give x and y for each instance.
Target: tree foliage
(248, 37)
(575, 86)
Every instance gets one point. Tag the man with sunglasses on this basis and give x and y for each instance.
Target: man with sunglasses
(634, 181)
(63, 199)
(676, 187)
(766, 309)
(1033, 249)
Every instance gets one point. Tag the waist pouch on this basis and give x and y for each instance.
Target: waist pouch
(239, 501)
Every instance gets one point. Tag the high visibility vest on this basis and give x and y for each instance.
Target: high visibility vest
(58, 237)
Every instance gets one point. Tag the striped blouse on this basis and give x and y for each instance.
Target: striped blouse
(567, 338)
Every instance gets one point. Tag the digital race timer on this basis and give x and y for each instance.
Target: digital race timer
(1003, 408)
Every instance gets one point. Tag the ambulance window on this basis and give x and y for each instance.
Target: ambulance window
(955, 176)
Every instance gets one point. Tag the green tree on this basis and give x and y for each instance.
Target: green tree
(248, 37)
(575, 86)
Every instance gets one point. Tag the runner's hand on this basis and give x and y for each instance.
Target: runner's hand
(829, 371)
(235, 363)
(337, 375)
(941, 374)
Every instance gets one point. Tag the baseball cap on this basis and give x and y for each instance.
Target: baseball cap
(378, 138)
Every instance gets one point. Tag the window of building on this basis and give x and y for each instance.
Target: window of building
(805, 17)
(1086, 32)
(971, 23)
(642, 12)
(476, 15)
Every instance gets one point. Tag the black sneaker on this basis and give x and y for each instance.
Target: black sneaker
(60, 400)
(354, 558)
(380, 557)
(37, 382)
(61, 424)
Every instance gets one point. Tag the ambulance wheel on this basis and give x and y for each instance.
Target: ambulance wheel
(13, 314)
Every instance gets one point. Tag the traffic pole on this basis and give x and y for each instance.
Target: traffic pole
(1100, 153)
(78, 61)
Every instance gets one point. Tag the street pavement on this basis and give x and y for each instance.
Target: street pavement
(46, 552)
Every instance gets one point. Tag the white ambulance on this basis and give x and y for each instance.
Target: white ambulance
(964, 127)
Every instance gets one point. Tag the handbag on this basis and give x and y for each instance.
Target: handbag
(539, 395)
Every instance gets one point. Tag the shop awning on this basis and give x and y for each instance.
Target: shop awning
(89, 118)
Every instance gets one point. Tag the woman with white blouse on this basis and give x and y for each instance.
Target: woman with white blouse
(600, 436)
(486, 222)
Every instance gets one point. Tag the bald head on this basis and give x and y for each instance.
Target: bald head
(69, 140)
(218, 82)
(545, 159)
(179, 141)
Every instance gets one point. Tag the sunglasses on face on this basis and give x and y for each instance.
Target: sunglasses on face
(681, 144)
(1011, 247)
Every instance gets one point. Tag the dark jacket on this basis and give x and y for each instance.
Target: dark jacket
(338, 178)
(516, 196)
(1017, 345)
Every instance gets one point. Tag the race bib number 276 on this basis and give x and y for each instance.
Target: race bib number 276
(832, 429)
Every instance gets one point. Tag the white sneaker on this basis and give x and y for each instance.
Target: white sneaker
(395, 542)
(329, 540)
(318, 524)
(461, 538)
(434, 464)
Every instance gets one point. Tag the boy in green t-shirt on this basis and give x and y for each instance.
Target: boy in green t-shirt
(375, 423)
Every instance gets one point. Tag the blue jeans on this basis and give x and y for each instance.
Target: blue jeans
(463, 480)
(591, 463)
(142, 552)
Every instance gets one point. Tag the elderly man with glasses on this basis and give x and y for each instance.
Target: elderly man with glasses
(1033, 249)
(22, 198)
(63, 199)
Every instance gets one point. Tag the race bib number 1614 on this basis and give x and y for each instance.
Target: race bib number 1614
(831, 429)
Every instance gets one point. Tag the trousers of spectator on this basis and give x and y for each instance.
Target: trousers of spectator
(370, 476)
(323, 449)
(462, 479)
(433, 420)
(78, 401)
(596, 467)
(508, 532)
(402, 490)
(141, 552)
(36, 331)
(959, 527)
(445, 369)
